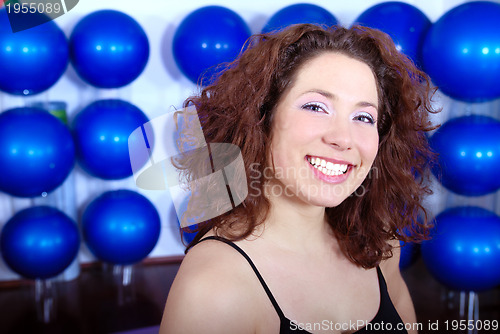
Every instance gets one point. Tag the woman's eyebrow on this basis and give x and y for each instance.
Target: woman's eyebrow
(326, 94)
(367, 104)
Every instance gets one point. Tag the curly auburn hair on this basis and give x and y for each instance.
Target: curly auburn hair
(238, 108)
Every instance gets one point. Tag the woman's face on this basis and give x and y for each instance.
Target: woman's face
(325, 137)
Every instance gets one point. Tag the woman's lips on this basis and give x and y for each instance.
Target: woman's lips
(329, 170)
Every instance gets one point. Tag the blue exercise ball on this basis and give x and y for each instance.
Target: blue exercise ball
(188, 236)
(108, 49)
(206, 38)
(464, 252)
(101, 132)
(409, 254)
(406, 24)
(469, 155)
(187, 232)
(461, 52)
(32, 60)
(36, 152)
(299, 13)
(121, 227)
(39, 242)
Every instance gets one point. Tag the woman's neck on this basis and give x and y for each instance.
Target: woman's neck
(294, 224)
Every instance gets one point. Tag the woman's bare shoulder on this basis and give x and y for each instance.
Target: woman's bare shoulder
(213, 259)
(211, 293)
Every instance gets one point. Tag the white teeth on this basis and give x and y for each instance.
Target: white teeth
(327, 167)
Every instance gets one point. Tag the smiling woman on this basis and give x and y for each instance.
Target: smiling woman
(318, 113)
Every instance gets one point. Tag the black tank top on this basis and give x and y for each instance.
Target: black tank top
(387, 319)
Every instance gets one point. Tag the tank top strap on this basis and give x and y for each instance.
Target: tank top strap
(252, 265)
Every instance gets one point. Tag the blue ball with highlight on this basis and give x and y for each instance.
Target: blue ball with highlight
(108, 49)
(121, 227)
(101, 132)
(39, 242)
(464, 251)
(469, 155)
(37, 152)
(461, 52)
(206, 38)
(32, 60)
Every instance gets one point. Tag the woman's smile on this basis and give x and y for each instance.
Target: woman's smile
(330, 170)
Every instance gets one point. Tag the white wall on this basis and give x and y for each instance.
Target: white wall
(161, 86)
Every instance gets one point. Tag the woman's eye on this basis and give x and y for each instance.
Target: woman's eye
(315, 107)
(365, 118)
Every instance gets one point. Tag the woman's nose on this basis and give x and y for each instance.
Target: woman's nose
(338, 134)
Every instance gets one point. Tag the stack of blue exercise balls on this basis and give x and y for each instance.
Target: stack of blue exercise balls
(464, 251)
(107, 58)
(119, 226)
(37, 152)
(461, 53)
(36, 149)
